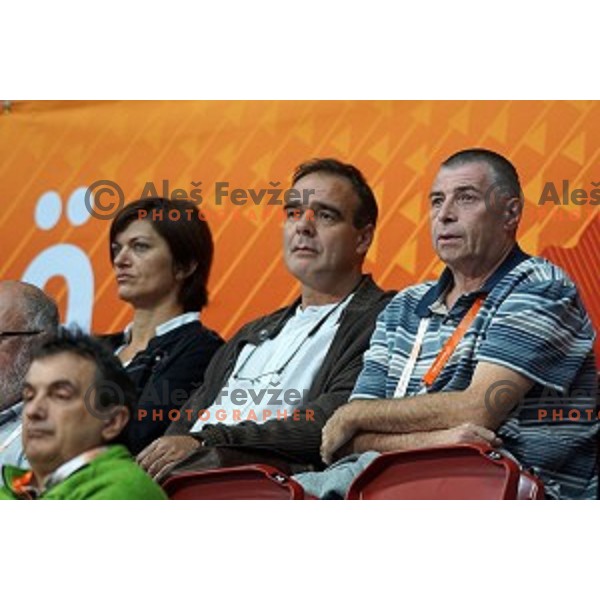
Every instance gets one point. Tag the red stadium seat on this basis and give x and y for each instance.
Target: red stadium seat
(249, 482)
(461, 472)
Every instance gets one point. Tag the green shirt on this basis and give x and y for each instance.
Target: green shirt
(112, 475)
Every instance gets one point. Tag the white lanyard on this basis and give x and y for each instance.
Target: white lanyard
(412, 360)
(71, 466)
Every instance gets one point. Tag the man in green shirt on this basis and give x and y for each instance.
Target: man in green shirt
(77, 402)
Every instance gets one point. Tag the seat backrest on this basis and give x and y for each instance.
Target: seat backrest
(460, 472)
(530, 487)
(249, 482)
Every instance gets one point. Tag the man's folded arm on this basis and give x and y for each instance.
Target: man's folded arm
(392, 442)
(494, 391)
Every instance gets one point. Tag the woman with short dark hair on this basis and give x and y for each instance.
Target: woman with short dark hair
(161, 251)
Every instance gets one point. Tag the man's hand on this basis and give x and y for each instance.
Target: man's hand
(164, 453)
(339, 430)
(467, 434)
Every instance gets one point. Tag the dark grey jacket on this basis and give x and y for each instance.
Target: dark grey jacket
(298, 438)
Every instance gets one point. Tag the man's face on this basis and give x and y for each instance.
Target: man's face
(57, 425)
(14, 351)
(468, 233)
(321, 244)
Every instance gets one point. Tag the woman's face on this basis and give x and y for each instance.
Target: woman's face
(143, 266)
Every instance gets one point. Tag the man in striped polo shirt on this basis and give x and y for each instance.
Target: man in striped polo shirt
(499, 349)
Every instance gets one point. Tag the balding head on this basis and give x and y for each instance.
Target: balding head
(24, 309)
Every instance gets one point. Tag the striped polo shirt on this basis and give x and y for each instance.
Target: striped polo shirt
(533, 322)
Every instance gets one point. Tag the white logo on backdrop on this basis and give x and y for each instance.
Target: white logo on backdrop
(65, 260)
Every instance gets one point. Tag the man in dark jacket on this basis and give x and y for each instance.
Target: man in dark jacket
(274, 385)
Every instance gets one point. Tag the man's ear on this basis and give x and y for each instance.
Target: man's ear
(513, 212)
(182, 273)
(115, 422)
(365, 238)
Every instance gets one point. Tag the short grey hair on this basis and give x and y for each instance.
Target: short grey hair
(39, 310)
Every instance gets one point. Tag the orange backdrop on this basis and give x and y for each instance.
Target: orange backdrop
(51, 151)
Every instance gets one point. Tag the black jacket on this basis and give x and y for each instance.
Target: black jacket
(165, 374)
